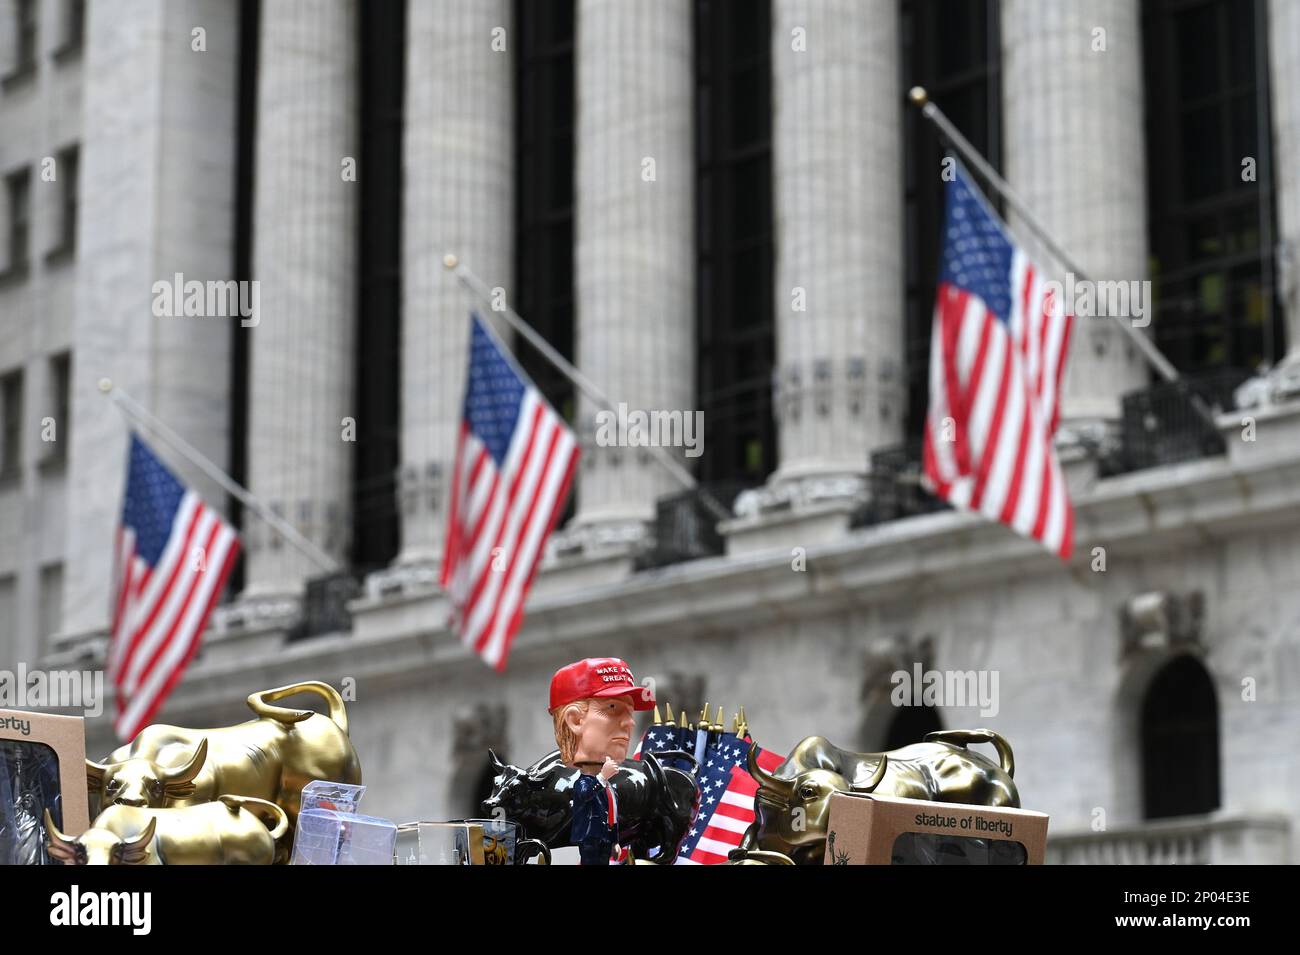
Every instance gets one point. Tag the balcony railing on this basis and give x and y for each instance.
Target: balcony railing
(1194, 840)
(685, 527)
(1159, 425)
(895, 486)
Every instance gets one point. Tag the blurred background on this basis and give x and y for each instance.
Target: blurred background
(722, 205)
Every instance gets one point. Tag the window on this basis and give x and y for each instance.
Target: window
(50, 611)
(74, 28)
(953, 50)
(11, 424)
(543, 226)
(8, 599)
(66, 166)
(1180, 742)
(735, 322)
(24, 48)
(1210, 212)
(18, 205)
(58, 403)
(376, 457)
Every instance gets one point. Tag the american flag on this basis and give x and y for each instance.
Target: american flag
(515, 459)
(997, 355)
(726, 801)
(173, 556)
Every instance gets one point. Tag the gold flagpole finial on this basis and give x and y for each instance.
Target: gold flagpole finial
(704, 715)
(656, 721)
(735, 724)
(682, 724)
(918, 96)
(670, 720)
(718, 726)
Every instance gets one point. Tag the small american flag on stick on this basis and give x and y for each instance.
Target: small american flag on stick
(997, 356)
(515, 460)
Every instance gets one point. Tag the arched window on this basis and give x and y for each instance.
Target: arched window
(1180, 742)
(910, 724)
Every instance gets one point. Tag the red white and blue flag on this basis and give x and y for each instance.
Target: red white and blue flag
(173, 556)
(997, 355)
(515, 460)
(726, 801)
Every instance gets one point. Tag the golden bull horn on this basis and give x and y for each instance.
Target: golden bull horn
(180, 777)
(781, 787)
(875, 779)
(61, 847)
(136, 851)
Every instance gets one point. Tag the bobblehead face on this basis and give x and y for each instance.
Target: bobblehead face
(601, 728)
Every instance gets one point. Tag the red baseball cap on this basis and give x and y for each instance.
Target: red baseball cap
(598, 677)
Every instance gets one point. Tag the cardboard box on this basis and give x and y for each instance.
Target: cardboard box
(51, 751)
(886, 830)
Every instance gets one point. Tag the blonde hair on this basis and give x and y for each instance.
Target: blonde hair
(565, 738)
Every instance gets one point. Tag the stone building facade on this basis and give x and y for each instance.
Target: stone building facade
(696, 200)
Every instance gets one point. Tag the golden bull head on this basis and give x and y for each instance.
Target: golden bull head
(792, 805)
(234, 830)
(272, 757)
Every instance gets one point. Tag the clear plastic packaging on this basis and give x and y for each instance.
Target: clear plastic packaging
(331, 832)
(29, 784)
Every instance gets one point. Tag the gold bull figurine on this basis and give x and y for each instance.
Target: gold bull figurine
(792, 806)
(272, 757)
(234, 830)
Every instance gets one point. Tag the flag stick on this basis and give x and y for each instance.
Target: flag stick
(137, 413)
(580, 381)
(919, 98)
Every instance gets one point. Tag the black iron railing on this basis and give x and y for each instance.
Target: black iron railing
(895, 486)
(1160, 424)
(685, 527)
(325, 605)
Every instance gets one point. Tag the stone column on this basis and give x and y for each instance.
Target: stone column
(1075, 152)
(634, 268)
(156, 199)
(304, 257)
(1284, 90)
(837, 139)
(458, 165)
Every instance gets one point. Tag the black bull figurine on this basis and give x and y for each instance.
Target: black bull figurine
(656, 804)
(792, 805)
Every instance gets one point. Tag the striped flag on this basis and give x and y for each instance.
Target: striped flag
(997, 355)
(726, 801)
(173, 556)
(515, 460)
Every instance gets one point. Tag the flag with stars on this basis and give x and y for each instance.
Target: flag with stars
(173, 556)
(726, 801)
(997, 356)
(515, 460)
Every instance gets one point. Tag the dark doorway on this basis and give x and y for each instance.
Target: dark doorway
(1180, 742)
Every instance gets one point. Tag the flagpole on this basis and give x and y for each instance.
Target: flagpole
(921, 99)
(579, 380)
(137, 413)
